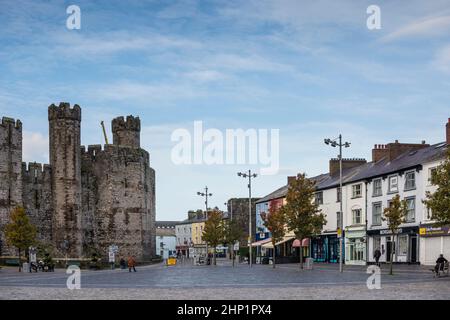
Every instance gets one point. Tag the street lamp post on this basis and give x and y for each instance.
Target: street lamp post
(206, 195)
(339, 144)
(249, 175)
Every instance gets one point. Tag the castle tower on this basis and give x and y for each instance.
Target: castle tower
(65, 161)
(10, 173)
(126, 133)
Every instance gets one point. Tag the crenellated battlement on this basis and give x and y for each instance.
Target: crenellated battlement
(110, 152)
(131, 123)
(35, 170)
(64, 111)
(7, 122)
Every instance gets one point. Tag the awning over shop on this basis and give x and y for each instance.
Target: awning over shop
(296, 243)
(261, 242)
(270, 246)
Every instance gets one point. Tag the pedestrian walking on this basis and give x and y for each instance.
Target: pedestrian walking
(131, 264)
(377, 255)
(123, 264)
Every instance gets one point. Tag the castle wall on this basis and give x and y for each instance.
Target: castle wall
(126, 132)
(120, 180)
(10, 174)
(37, 198)
(88, 199)
(65, 161)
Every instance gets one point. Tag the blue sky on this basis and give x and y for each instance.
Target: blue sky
(309, 68)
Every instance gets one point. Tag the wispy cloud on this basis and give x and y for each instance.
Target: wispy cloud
(428, 27)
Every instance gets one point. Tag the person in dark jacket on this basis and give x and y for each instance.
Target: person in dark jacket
(377, 255)
(123, 264)
(440, 263)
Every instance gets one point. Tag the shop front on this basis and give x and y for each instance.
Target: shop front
(355, 247)
(182, 250)
(325, 248)
(434, 241)
(403, 244)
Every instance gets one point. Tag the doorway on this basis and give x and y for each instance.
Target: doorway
(388, 249)
(413, 252)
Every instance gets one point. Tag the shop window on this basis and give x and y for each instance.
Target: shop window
(402, 245)
(376, 243)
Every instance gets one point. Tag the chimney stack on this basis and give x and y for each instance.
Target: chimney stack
(346, 164)
(290, 179)
(393, 150)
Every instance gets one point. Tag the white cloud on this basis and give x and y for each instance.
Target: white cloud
(35, 147)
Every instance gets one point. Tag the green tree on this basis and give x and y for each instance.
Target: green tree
(439, 202)
(20, 233)
(233, 232)
(395, 215)
(303, 215)
(213, 233)
(275, 222)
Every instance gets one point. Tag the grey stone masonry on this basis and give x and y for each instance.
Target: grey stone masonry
(86, 199)
(10, 172)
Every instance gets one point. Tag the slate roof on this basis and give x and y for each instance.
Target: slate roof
(383, 167)
(370, 170)
(281, 192)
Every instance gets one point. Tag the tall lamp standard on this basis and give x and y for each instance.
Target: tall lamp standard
(206, 195)
(339, 144)
(249, 175)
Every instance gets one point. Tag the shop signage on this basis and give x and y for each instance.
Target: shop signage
(431, 231)
(398, 231)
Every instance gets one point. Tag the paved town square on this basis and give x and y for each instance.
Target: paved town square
(223, 282)
(237, 150)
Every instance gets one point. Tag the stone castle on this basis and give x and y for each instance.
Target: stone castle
(86, 199)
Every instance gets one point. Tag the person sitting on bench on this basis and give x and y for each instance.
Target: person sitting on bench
(440, 262)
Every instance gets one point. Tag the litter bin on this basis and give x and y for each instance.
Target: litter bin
(309, 263)
(25, 267)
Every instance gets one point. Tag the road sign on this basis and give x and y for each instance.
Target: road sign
(112, 256)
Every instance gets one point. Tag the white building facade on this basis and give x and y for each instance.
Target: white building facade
(434, 240)
(183, 233)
